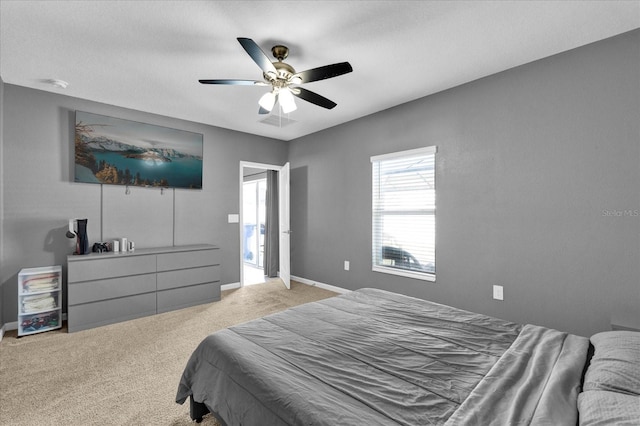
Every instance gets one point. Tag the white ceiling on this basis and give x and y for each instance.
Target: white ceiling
(149, 55)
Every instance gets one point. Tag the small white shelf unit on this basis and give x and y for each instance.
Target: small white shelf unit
(39, 299)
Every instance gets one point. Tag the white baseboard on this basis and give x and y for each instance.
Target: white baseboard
(301, 280)
(321, 285)
(8, 326)
(230, 286)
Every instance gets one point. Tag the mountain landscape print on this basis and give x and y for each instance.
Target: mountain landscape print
(121, 152)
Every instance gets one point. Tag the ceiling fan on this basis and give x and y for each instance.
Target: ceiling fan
(284, 79)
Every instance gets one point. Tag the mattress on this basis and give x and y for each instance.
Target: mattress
(379, 358)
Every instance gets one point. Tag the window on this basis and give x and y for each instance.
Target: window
(404, 213)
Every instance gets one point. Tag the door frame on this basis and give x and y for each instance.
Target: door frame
(251, 165)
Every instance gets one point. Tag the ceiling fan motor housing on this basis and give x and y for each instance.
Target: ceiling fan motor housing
(284, 72)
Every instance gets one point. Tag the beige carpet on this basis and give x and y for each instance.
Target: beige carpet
(126, 373)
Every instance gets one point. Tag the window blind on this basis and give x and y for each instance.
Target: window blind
(404, 213)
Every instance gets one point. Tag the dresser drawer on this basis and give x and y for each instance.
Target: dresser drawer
(89, 315)
(95, 269)
(188, 277)
(178, 298)
(91, 291)
(188, 259)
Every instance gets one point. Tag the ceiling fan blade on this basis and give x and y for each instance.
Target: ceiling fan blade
(258, 56)
(324, 72)
(234, 82)
(313, 97)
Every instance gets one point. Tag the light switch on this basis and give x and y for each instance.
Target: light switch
(234, 218)
(498, 293)
(346, 265)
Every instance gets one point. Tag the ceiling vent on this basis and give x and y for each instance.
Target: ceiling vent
(277, 120)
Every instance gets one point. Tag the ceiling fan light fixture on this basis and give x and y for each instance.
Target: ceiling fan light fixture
(267, 101)
(286, 101)
(280, 76)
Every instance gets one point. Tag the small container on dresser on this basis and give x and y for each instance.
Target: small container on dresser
(39, 299)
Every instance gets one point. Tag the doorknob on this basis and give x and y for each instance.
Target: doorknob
(287, 232)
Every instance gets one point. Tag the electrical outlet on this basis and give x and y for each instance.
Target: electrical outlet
(346, 265)
(498, 292)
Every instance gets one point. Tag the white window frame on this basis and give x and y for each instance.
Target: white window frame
(425, 276)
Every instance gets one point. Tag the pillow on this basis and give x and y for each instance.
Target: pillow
(600, 408)
(615, 365)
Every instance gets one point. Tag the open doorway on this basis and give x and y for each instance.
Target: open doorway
(264, 246)
(254, 220)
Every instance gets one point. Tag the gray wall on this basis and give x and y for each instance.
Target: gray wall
(533, 166)
(40, 195)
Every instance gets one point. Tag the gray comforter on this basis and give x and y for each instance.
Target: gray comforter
(372, 357)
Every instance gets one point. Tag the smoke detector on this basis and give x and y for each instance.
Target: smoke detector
(60, 84)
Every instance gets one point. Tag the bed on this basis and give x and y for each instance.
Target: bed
(372, 357)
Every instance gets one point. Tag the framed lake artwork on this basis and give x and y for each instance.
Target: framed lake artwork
(115, 151)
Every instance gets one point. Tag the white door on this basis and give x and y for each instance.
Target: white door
(285, 231)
